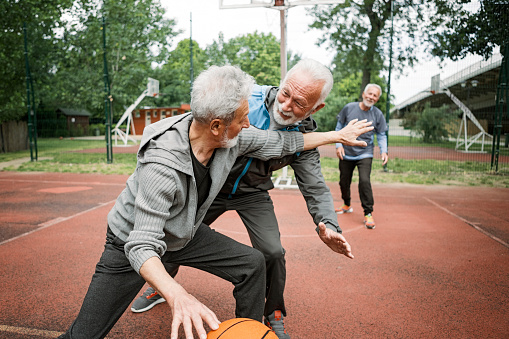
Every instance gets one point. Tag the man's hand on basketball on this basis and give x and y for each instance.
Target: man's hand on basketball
(189, 312)
(335, 241)
(350, 132)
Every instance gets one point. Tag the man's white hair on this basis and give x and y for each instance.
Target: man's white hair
(373, 85)
(318, 73)
(218, 92)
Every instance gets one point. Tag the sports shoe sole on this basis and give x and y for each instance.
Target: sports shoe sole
(350, 210)
(158, 301)
(370, 227)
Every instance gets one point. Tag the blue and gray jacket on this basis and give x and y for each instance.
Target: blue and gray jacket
(250, 175)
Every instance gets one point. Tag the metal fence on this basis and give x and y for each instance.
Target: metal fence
(404, 145)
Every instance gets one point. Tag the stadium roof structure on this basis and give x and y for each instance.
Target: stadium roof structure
(475, 86)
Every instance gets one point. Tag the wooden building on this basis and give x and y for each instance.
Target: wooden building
(145, 116)
(77, 120)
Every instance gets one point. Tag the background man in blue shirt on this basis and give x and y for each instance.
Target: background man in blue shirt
(361, 157)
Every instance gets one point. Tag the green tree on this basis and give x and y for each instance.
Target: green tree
(215, 52)
(257, 54)
(66, 52)
(137, 37)
(359, 31)
(474, 32)
(326, 117)
(42, 19)
(431, 123)
(175, 75)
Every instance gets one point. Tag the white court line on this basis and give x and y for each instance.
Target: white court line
(66, 182)
(55, 221)
(29, 331)
(470, 223)
(286, 235)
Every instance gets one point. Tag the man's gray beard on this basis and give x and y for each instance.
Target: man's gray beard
(276, 108)
(367, 104)
(229, 143)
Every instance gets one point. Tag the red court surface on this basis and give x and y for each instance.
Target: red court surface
(436, 266)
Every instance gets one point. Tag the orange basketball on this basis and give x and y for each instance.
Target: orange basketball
(242, 328)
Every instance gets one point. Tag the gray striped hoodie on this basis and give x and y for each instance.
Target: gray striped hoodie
(157, 211)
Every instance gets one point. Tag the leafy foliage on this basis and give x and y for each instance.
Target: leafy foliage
(175, 75)
(257, 54)
(359, 32)
(41, 19)
(66, 55)
(65, 52)
(137, 36)
(431, 123)
(478, 32)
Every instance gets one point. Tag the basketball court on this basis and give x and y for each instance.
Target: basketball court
(437, 264)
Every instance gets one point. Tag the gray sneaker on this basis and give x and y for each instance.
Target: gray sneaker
(276, 323)
(146, 301)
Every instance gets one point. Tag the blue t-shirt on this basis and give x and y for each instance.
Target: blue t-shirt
(353, 111)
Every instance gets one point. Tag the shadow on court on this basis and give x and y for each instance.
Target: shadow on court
(436, 266)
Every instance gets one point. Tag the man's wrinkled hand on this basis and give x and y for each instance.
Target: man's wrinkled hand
(335, 241)
(189, 312)
(350, 132)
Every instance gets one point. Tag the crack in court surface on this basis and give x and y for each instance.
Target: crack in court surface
(474, 225)
(29, 331)
(56, 221)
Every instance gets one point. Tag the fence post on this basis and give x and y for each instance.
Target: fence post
(107, 104)
(500, 103)
(32, 132)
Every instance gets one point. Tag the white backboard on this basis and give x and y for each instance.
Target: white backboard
(153, 88)
(435, 84)
(228, 4)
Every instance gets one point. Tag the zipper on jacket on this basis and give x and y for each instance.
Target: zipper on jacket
(240, 177)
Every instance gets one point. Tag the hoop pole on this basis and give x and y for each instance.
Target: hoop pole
(191, 49)
(282, 16)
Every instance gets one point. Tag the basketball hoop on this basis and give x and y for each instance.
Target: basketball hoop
(274, 4)
(435, 84)
(280, 4)
(153, 88)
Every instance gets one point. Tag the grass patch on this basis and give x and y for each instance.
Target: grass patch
(64, 159)
(421, 172)
(83, 163)
(397, 140)
(48, 147)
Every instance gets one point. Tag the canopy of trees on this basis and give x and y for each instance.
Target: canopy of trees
(359, 32)
(65, 49)
(66, 55)
(478, 32)
(41, 23)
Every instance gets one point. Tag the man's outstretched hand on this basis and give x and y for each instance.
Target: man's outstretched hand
(349, 133)
(335, 241)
